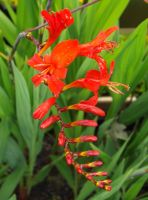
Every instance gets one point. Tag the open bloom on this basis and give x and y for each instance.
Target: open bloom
(53, 68)
(57, 22)
(94, 79)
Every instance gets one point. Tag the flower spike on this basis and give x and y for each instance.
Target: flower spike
(52, 70)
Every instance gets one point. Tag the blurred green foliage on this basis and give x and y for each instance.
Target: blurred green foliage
(21, 141)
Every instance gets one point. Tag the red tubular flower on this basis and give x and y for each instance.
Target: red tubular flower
(98, 44)
(87, 108)
(81, 123)
(86, 153)
(49, 121)
(69, 158)
(42, 110)
(53, 67)
(57, 22)
(108, 187)
(94, 79)
(98, 174)
(79, 168)
(62, 139)
(97, 163)
(85, 138)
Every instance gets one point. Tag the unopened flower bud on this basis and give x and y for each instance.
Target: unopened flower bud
(61, 139)
(69, 158)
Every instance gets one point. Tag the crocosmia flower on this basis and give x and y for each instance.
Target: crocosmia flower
(52, 70)
(57, 22)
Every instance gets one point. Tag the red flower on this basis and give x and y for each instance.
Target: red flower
(57, 22)
(94, 79)
(69, 158)
(61, 139)
(97, 163)
(49, 121)
(81, 123)
(86, 108)
(94, 47)
(85, 138)
(87, 153)
(53, 67)
(98, 174)
(42, 110)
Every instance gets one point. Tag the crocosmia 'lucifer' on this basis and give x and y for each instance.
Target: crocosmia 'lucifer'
(52, 70)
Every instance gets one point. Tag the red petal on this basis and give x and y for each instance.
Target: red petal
(49, 121)
(77, 84)
(83, 123)
(112, 65)
(37, 79)
(64, 53)
(37, 63)
(69, 158)
(55, 85)
(102, 66)
(92, 101)
(87, 108)
(90, 84)
(66, 17)
(57, 22)
(62, 139)
(42, 110)
(93, 74)
(60, 73)
(94, 47)
(103, 35)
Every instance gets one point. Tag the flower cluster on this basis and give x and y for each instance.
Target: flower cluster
(52, 69)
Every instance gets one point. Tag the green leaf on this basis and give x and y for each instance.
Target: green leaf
(7, 84)
(13, 198)
(23, 107)
(86, 190)
(4, 134)
(135, 188)
(139, 137)
(13, 154)
(41, 175)
(136, 110)
(10, 10)
(105, 13)
(111, 166)
(8, 28)
(6, 108)
(11, 182)
(31, 9)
